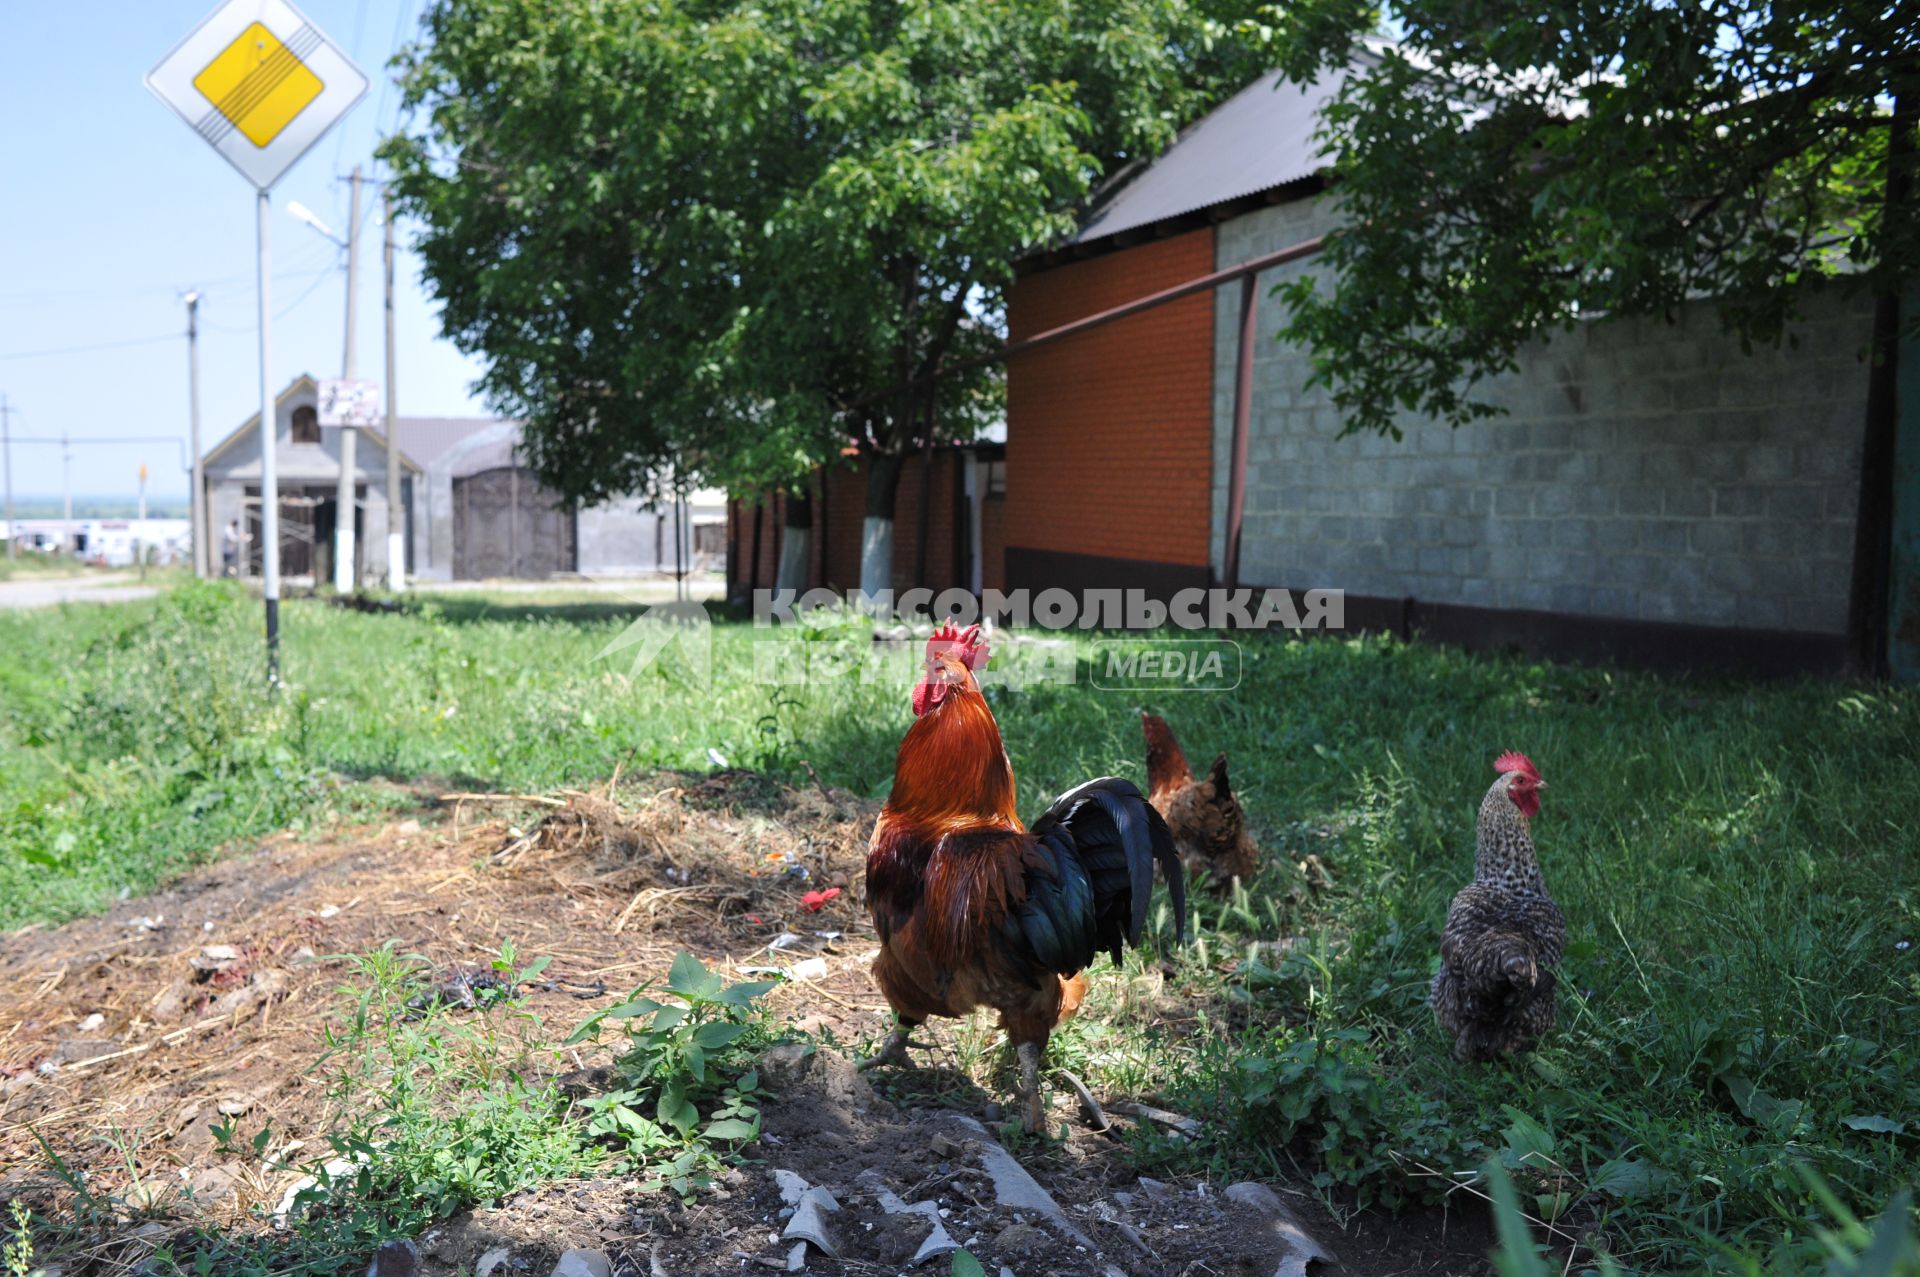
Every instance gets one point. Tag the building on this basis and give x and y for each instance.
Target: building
(948, 527)
(1653, 494)
(114, 543)
(475, 510)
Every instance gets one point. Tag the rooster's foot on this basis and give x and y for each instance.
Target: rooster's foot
(892, 1052)
(1032, 1115)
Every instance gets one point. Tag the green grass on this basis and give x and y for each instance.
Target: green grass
(1735, 861)
(32, 566)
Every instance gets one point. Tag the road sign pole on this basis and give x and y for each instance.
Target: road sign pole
(260, 84)
(269, 480)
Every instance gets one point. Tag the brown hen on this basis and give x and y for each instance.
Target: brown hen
(1208, 826)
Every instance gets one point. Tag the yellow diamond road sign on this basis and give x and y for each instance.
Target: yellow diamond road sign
(260, 83)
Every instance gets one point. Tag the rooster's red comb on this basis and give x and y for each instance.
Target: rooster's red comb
(972, 649)
(1515, 761)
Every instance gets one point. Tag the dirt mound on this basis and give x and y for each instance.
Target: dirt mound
(207, 1000)
(843, 1182)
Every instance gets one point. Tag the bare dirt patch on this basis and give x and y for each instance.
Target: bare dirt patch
(130, 1034)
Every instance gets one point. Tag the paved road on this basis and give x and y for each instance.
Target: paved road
(652, 588)
(101, 587)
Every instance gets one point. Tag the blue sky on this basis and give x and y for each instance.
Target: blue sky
(110, 208)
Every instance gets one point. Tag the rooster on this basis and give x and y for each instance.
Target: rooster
(973, 908)
(1208, 827)
(1494, 991)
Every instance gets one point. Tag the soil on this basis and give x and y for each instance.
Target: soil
(132, 1032)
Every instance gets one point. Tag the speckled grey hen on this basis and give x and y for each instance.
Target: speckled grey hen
(1500, 955)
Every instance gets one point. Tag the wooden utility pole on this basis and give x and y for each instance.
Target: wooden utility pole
(68, 542)
(343, 501)
(396, 508)
(197, 501)
(6, 464)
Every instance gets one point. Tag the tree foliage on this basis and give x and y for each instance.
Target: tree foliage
(1510, 168)
(703, 238)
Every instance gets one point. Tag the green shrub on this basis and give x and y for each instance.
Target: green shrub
(674, 1058)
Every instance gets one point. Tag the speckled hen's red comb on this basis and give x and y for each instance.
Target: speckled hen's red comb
(1514, 761)
(972, 650)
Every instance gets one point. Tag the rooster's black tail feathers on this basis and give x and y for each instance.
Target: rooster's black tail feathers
(1103, 839)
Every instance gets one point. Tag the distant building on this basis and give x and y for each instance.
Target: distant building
(110, 542)
(477, 512)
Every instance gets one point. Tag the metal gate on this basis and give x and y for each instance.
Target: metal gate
(506, 525)
(299, 511)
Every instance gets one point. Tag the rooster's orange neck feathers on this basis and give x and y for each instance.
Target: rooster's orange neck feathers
(952, 770)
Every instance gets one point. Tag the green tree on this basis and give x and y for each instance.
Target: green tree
(726, 240)
(1509, 169)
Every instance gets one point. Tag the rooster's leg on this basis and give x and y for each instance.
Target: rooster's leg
(894, 1050)
(1032, 1117)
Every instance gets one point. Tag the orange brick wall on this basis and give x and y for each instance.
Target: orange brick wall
(846, 488)
(1110, 433)
(836, 558)
(740, 541)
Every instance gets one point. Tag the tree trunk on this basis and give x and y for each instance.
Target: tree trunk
(926, 501)
(876, 534)
(796, 542)
(1868, 599)
(753, 563)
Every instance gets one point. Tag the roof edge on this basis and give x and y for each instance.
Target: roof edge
(1194, 219)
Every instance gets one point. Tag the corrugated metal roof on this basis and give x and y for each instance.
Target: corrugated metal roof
(426, 438)
(1260, 138)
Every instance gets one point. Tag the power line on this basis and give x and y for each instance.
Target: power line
(320, 277)
(117, 441)
(102, 345)
(114, 290)
(400, 14)
(359, 29)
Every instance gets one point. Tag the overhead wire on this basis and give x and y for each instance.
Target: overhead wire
(299, 268)
(100, 345)
(401, 12)
(359, 30)
(320, 277)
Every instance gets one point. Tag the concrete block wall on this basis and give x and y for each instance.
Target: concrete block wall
(1645, 471)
